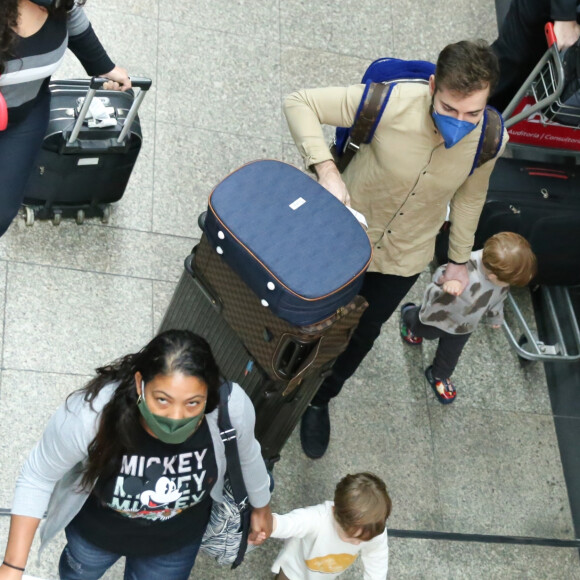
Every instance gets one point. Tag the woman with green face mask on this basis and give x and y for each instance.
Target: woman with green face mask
(130, 465)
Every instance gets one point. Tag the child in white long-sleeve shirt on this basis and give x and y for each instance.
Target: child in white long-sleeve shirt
(322, 541)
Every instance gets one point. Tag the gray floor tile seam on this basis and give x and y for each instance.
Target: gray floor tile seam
(98, 272)
(220, 31)
(152, 220)
(185, 125)
(433, 403)
(4, 311)
(37, 372)
(439, 514)
(392, 26)
(124, 228)
(461, 408)
(94, 8)
(282, 120)
(353, 55)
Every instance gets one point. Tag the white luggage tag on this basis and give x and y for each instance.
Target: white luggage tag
(359, 216)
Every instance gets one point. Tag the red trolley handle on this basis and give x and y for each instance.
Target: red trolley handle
(550, 34)
(3, 113)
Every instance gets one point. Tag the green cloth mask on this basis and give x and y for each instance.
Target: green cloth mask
(168, 430)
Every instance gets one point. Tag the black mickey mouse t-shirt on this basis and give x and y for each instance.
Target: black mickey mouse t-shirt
(158, 502)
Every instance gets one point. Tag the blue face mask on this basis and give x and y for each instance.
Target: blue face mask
(452, 130)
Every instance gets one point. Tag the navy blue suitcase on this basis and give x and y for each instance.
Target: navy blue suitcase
(290, 240)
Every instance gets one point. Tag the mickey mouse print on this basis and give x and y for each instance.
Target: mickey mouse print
(158, 486)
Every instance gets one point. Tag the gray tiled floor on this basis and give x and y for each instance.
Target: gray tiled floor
(72, 298)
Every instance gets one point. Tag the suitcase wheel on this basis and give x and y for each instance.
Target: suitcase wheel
(56, 218)
(80, 216)
(106, 214)
(29, 215)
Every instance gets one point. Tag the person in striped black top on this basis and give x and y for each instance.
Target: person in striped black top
(34, 36)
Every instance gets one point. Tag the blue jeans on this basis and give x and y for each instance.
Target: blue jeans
(19, 147)
(81, 560)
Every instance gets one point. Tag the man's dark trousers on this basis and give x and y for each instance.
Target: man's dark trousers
(383, 292)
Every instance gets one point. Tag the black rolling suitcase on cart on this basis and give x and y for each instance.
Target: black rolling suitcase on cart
(541, 202)
(279, 366)
(81, 169)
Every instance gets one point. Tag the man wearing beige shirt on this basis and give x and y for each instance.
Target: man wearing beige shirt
(420, 160)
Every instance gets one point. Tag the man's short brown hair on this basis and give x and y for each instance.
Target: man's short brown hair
(509, 256)
(467, 66)
(361, 502)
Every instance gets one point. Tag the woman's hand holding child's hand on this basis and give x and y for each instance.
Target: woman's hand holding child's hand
(262, 523)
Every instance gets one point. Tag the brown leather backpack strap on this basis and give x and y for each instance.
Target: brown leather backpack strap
(362, 129)
(492, 137)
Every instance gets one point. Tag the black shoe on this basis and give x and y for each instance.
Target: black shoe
(315, 431)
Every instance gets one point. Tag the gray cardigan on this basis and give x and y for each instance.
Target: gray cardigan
(49, 480)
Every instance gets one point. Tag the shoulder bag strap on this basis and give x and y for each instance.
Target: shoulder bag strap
(370, 111)
(491, 137)
(234, 469)
(229, 437)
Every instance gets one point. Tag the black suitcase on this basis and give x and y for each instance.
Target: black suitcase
(279, 404)
(541, 202)
(80, 170)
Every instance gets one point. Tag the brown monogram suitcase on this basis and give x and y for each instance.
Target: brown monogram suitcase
(278, 365)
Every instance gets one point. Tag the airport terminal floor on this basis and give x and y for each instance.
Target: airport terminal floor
(480, 488)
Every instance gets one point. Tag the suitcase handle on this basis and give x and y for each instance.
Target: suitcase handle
(96, 83)
(293, 356)
(189, 265)
(142, 83)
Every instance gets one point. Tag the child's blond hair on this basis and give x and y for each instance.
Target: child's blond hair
(509, 256)
(361, 503)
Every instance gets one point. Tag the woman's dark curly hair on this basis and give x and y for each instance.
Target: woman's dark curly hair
(173, 351)
(9, 21)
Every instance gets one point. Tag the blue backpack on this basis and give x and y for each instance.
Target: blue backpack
(380, 78)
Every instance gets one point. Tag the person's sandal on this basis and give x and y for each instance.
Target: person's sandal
(443, 388)
(406, 333)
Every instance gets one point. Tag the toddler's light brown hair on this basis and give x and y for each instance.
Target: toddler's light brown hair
(509, 256)
(361, 502)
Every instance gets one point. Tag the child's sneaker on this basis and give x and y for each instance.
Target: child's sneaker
(406, 333)
(443, 388)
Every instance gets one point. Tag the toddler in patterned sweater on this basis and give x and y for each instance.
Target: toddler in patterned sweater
(450, 316)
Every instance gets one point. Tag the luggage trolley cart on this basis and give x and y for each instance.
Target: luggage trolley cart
(538, 105)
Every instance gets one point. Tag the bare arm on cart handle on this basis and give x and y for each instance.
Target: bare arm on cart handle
(567, 33)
